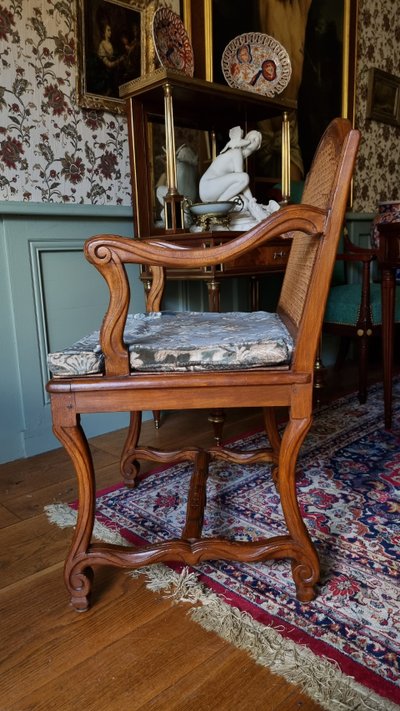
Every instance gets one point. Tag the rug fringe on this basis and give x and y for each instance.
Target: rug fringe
(65, 517)
(320, 678)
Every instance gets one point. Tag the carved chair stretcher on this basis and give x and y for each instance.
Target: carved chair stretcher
(212, 382)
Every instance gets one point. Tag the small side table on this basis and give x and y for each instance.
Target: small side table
(389, 261)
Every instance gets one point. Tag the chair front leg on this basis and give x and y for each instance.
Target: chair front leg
(130, 466)
(77, 574)
(271, 428)
(305, 562)
(196, 497)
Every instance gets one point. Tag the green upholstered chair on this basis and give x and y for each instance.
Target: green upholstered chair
(354, 310)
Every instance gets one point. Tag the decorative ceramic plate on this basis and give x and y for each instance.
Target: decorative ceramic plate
(256, 62)
(171, 42)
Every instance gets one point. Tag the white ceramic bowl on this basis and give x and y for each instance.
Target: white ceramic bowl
(212, 208)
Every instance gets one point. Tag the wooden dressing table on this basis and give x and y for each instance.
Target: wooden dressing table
(172, 99)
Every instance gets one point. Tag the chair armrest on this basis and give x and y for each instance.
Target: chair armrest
(351, 248)
(110, 253)
(101, 250)
(361, 256)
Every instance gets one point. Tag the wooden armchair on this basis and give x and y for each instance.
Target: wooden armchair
(157, 361)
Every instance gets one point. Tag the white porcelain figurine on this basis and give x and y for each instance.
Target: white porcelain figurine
(226, 179)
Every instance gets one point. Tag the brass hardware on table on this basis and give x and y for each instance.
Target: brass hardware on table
(218, 267)
(208, 221)
(213, 288)
(173, 202)
(285, 158)
(213, 285)
(279, 255)
(170, 140)
(147, 285)
(319, 373)
(213, 145)
(217, 419)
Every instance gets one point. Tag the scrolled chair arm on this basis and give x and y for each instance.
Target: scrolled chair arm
(109, 254)
(101, 250)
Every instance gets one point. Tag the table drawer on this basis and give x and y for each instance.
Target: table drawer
(273, 256)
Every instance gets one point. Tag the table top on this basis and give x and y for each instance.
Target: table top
(389, 228)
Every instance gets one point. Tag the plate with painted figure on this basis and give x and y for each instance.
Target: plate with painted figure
(171, 42)
(256, 62)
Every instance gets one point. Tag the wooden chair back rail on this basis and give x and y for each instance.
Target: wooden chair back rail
(315, 228)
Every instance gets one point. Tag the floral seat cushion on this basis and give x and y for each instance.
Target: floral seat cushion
(186, 341)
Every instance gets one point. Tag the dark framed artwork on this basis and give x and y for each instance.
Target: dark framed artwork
(383, 99)
(323, 71)
(113, 49)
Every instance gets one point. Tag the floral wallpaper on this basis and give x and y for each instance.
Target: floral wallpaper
(377, 176)
(52, 150)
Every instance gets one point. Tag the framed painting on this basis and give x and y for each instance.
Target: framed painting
(115, 45)
(320, 37)
(113, 49)
(383, 99)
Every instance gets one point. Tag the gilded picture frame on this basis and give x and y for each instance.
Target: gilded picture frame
(383, 98)
(113, 47)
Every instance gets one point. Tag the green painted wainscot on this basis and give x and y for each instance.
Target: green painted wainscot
(51, 296)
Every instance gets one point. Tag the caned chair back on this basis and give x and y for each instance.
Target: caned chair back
(326, 187)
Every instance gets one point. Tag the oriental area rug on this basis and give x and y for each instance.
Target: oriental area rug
(343, 647)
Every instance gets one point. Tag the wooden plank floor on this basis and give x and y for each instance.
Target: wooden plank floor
(133, 649)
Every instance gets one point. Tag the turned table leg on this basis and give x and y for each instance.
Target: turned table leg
(388, 294)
